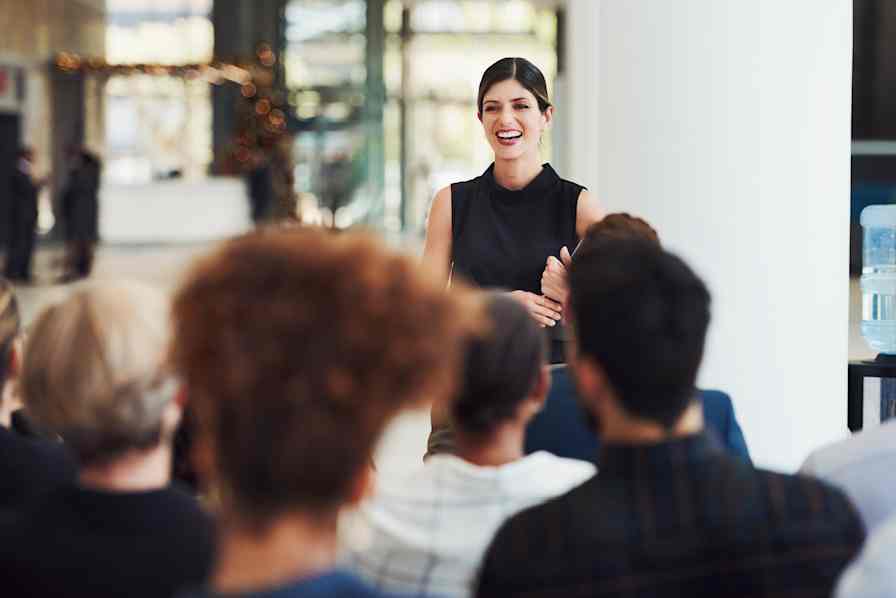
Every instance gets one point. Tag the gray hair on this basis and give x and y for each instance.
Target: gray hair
(94, 369)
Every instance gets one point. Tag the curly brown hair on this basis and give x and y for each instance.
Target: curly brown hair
(296, 347)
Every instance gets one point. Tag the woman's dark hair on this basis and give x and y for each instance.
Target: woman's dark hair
(501, 367)
(518, 69)
(10, 325)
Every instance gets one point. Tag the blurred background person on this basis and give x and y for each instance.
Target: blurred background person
(94, 372)
(425, 534)
(259, 187)
(29, 468)
(293, 386)
(80, 213)
(21, 217)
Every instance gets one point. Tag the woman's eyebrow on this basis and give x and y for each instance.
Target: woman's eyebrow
(498, 101)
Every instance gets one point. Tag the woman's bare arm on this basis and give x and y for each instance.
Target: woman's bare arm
(437, 247)
(588, 211)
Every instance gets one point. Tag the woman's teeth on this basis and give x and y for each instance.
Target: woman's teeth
(510, 135)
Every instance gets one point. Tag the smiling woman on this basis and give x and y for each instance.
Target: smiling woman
(499, 230)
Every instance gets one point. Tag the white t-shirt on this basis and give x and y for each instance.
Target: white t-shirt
(872, 574)
(426, 533)
(862, 466)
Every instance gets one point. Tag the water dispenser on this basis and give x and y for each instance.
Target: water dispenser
(872, 383)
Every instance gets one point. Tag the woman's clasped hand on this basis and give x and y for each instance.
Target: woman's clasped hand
(546, 311)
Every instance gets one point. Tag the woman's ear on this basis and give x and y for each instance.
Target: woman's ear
(548, 115)
(363, 486)
(542, 384)
(14, 363)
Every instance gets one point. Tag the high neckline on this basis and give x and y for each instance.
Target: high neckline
(640, 459)
(541, 183)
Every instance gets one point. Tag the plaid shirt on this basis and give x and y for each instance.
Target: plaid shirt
(426, 532)
(676, 519)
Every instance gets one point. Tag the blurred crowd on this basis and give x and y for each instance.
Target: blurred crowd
(221, 442)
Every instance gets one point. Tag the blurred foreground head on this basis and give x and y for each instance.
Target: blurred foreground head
(640, 316)
(504, 375)
(622, 226)
(94, 371)
(296, 347)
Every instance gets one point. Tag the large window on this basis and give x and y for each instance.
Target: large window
(446, 48)
(158, 125)
(326, 75)
(434, 52)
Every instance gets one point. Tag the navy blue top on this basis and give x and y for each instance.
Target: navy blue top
(562, 428)
(335, 584)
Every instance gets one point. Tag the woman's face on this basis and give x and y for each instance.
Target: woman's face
(512, 122)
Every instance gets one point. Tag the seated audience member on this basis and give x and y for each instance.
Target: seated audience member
(873, 574)
(669, 514)
(428, 531)
(94, 373)
(862, 466)
(296, 347)
(558, 428)
(28, 468)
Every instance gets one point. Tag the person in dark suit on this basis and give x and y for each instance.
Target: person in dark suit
(259, 186)
(80, 211)
(30, 468)
(669, 513)
(21, 217)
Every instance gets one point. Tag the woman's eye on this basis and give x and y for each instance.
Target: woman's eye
(489, 108)
(521, 106)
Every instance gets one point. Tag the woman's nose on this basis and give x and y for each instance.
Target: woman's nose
(506, 115)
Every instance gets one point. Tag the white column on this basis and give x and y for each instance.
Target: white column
(726, 124)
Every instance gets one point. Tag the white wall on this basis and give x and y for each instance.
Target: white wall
(726, 123)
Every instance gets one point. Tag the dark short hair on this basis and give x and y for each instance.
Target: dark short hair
(10, 325)
(518, 69)
(501, 367)
(642, 314)
(620, 225)
(296, 346)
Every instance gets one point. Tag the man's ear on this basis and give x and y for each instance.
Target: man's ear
(591, 379)
(542, 386)
(182, 396)
(14, 364)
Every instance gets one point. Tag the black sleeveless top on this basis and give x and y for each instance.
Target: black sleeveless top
(501, 239)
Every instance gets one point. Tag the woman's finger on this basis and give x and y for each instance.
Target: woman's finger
(552, 290)
(565, 256)
(550, 304)
(554, 265)
(545, 322)
(546, 312)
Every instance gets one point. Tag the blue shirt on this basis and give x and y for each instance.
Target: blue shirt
(335, 584)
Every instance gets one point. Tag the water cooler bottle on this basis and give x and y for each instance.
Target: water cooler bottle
(872, 383)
